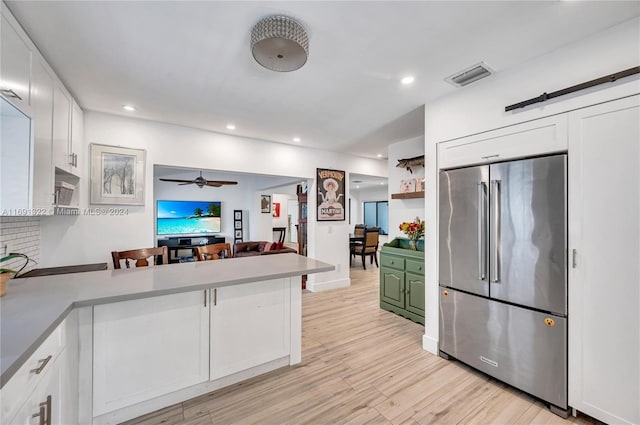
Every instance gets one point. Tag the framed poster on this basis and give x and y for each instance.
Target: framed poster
(330, 195)
(276, 209)
(117, 175)
(265, 204)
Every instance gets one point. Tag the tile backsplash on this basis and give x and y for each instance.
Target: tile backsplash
(20, 234)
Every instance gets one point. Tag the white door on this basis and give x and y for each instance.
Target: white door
(146, 348)
(250, 325)
(604, 231)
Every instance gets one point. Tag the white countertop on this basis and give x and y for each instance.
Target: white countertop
(34, 307)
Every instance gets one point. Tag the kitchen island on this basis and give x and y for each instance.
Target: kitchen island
(197, 326)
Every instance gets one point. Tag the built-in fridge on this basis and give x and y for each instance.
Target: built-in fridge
(503, 272)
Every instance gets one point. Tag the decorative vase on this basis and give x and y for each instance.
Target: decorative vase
(412, 245)
(4, 279)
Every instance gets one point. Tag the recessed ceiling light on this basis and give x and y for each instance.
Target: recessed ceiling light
(407, 80)
(231, 127)
(296, 139)
(381, 182)
(379, 155)
(357, 187)
(128, 108)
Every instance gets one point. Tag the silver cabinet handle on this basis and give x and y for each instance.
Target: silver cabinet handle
(75, 160)
(205, 297)
(491, 156)
(10, 93)
(482, 231)
(215, 296)
(574, 258)
(43, 363)
(495, 196)
(44, 414)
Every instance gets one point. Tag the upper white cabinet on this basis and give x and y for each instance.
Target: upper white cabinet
(542, 136)
(250, 326)
(61, 129)
(15, 145)
(15, 68)
(143, 349)
(604, 243)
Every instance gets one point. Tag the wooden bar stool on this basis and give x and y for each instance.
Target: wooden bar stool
(213, 252)
(160, 256)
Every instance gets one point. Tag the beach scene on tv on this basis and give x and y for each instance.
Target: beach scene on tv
(188, 217)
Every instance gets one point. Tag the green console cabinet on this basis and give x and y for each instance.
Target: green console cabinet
(402, 280)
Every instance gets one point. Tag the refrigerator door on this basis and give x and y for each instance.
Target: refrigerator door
(522, 347)
(463, 218)
(528, 235)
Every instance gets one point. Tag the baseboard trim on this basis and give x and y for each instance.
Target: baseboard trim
(328, 285)
(430, 344)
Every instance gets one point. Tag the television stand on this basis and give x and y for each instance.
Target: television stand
(181, 248)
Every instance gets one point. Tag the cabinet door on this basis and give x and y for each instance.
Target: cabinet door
(76, 135)
(392, 286)
(15, 69)
(15, 145)
(146, 348)
(42, 100)
(250, 325)
(604, 231)
(61, 130)
(45, 400)
(415, 293)
(542, 136)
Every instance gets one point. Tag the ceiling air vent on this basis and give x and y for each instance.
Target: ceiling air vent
(469, 75)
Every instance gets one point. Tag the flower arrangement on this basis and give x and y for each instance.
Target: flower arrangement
(414, 231)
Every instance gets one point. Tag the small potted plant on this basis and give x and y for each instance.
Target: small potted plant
(6, 274)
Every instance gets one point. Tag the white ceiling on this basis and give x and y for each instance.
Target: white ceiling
(189, 63)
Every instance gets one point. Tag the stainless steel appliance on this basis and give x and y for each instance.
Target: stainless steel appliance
(503, 273)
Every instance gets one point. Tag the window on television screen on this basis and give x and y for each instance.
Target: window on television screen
(188, 217)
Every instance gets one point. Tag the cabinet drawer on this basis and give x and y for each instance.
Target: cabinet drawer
(393, 262)
(21, 385)
(542, 136)
(414, 266)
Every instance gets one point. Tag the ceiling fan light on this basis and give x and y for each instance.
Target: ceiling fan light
(279, 43)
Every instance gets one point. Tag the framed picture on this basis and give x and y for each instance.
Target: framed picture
(237, 215)
(117, 175)
(237, 241)
(276, 209)
(237, 225)
(265, 203)
(238, 234)
(330, 195)
(407, 186)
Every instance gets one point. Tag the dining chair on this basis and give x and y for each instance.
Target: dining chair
(369, 247)
(215, 251)
(358, 232)
(141, 256)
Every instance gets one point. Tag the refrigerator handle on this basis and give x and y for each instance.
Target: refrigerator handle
(482, 231)
(497, 248)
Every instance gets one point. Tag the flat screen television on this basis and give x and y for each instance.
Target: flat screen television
(188, 217)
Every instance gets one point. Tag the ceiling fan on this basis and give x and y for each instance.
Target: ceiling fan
(200, 181)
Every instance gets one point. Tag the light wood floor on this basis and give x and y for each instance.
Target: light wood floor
(361, 365)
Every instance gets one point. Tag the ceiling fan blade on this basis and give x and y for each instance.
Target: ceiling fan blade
(218, 183)
(182, 184)
(176, 181)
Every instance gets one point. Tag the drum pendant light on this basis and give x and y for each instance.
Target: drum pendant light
(279, 43)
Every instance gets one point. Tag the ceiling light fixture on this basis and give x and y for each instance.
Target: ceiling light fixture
(231, 127)
(408, 80)
(379, 155)
(128, 108)
(279, 43)
(296, 139)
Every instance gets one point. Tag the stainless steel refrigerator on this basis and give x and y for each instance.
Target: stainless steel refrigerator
(503, 272)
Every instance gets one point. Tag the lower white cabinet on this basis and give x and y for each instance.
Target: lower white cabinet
(147, 348)
(250, 325)
(604, 243)
(45, 405)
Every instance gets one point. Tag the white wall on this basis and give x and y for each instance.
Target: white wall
(480, 107)
(90, 238)
(404, 209)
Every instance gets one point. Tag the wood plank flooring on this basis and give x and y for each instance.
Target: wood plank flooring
(361, 365)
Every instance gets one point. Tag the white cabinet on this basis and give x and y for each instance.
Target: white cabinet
(250, 325)
(15, 68)
(604, 231)
(147, 348)
(77, 137)
(47, 383)
(42, 100)
(15, 145)
(61, 128)
(541, 136)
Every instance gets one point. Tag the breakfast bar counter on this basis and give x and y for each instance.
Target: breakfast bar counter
(33, 307)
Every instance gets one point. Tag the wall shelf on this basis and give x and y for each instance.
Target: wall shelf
(408, 195)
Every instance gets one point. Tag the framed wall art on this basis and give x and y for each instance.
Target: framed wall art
(117, 175)
(331, 195)
(265, 204)
(237, 225)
